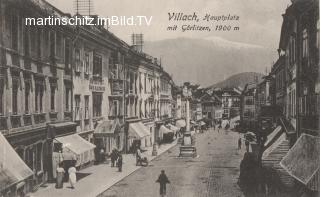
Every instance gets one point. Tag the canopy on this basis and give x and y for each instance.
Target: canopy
(303, 161)
(75, 144)
(202, 123)
(173, 128)
(272, 136)
(181, 123)
(164, 130)
(12, 167)
(107, 127)
(272, 156)
(138, 130)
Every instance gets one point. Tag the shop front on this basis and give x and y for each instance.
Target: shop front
(108, 136)
(32, 147)
(138, 135)
(74, 151)
(166, 134)
(15, 175)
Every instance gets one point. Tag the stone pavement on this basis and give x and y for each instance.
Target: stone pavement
(99, 177)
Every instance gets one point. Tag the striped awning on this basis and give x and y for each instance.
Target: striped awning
(272, 156)
(181, 123)
(138, 130)
(12, 168)
(302, 162)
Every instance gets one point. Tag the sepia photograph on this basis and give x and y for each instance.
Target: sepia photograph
(159, 98)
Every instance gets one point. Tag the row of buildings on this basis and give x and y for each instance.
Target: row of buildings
(71, 91)
(209, 105)
(284, 108)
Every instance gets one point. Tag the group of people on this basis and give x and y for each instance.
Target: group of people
(247, 144)
(116, 159)
(61, 176)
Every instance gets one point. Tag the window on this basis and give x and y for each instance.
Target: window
(318, 35)
(97, 65)
(39, 88)
(97, 104)
(145, 83)
(77, 100)
(305, 44)
(67, 98)
(15, 86)
(86, 63)
(53, 98)
(67, 53)
(27, 96)
(115, 108)
(86, 107)
(52, 44)
(14, 31)
(1, 96)
(59, 45)
(77, 61)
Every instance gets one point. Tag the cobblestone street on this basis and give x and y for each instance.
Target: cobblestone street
(214, 173)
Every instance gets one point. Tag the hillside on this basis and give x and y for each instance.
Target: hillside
(238, 80)
(208, 61)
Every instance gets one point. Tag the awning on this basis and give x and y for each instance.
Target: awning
(273, 136)
(173, 128)
(303, 161)
(138, 130)
(272, 156)
(83, 149)
(202, 123)
(165, 130)
(181, 123)
(107, 127)
(12, 167)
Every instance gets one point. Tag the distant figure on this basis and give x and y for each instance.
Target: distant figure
(72, 176)
(138, 156)
(239, 143)
(113, 156)
(102, 155)
(119, 162)
(163, 180)
(247, 145)
(60, 176)
(219, 127)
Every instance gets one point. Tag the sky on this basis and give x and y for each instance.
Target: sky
(259, 20)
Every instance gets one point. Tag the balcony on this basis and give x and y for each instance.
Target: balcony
(15, 121)
(3, 123)
(68, 115)
(53, 116)
(309, 105)
(116, 88)
(39, 118)
(27, 120)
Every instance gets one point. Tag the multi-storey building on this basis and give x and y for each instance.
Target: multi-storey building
(279, 72)
(35, 88)
(248, 112)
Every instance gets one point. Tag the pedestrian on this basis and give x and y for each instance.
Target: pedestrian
(138, 156)
(214, 125)
(163, 180)
(102, 155)
(72, 176)
(219, 127)
(247, 145)
(60, 176)
(119, 162)
(239, 143)
(113, 157)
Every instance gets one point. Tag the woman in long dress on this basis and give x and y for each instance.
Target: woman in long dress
(72, 176)
(60, 176)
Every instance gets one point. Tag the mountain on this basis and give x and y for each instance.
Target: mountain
(208, 61)
(238, 80)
